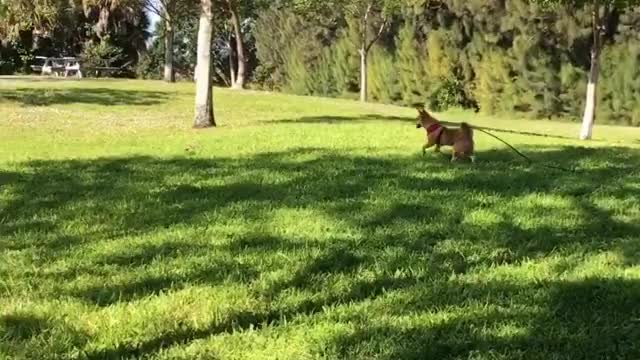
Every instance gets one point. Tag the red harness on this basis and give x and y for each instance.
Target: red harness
(433, 128)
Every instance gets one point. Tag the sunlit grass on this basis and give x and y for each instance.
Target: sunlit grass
(304, 228)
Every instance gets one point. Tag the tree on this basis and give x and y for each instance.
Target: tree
(374, 14)
(239, 79)
(204, 116)
(165, 10)
(371, 17)
(169, 11)
(601, 10)
(241, 14)
(126, 9)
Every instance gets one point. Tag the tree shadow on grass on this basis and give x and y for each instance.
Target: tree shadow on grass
(589, 318)
(142, 286)
(131, 195)
(412, 224)
(94, 96)
(334, 120)
(26, 335)
(44, 79)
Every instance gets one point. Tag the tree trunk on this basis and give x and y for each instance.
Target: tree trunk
(204, 91)
(235, 22)
(169, 74)
(588, 118)
(364, 49)
(364, 81)
(232, 69)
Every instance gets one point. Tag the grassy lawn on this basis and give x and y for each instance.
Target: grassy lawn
(305, 228)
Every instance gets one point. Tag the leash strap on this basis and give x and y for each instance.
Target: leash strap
(528, 159)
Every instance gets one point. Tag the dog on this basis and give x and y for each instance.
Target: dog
(438, 135)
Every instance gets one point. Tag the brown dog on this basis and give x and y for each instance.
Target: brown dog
(438, 135)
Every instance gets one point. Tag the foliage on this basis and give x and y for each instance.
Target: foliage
(184, 50)
(285, 54)
(43, 17)
(384, 84)
(346, 62)
(526, 56)
(493, 83)
(410, 61)
(323, 82)
(63, 27)
(7, 62)
(101, 53)
(499, 56)
(619, 92)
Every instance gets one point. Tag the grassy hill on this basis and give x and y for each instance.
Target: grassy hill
(305, 228)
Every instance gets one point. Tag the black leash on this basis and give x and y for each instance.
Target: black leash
(528, 159)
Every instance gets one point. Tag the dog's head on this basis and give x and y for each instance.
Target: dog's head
(423, 116)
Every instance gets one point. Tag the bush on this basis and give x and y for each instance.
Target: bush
(346, 62)
(101, 53)
(7, 67)
(274, 45)
(449, 93)
(412, 74)
(323, 81)
(298, 76)
(573, 90)
(494, 90)
(619, 92)
(384, 84)
(151, 64)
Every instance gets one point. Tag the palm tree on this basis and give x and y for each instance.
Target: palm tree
(126, 10)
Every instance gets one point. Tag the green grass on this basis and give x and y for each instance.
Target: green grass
(305, 228)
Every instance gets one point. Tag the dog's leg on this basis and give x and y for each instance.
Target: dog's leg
(425, 147)
(473, 158)
(454, 156)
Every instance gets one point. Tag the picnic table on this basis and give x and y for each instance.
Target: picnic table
(63, 66)
(70, 66)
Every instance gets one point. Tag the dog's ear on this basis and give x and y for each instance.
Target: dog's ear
(419, 107)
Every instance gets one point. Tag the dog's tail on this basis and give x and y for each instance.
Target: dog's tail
(466, 129)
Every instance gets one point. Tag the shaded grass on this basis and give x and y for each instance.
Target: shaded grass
(97, 96)
(278, 239)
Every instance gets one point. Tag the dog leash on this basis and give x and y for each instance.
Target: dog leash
(528, 159)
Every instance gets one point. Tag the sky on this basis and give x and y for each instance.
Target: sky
(153, 18)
